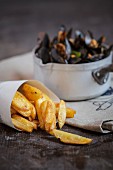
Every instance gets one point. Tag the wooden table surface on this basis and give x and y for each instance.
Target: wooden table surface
(20, 21)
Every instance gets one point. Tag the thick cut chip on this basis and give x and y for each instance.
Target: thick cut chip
(23, 106)
(50, 116)
(69, 111)
(46, 114)
(22, 123)
(32, 93)
(35, 124)
(41, 111)
(70, 138)
(62, 114)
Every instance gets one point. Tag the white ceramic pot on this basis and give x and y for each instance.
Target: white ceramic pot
(73, 81)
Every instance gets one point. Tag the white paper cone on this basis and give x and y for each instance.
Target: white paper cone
(7, 92)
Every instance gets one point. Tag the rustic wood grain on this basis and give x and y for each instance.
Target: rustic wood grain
(20, 21)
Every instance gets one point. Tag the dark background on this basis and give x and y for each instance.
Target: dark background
(21, 20)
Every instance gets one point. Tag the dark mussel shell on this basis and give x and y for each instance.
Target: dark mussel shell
(56, 57)
(74, 60)
(79, 34)
(79, 43)
(108, 51)
(101, 40)
(43, 54)
(96, 57)
(43, 40)
(69, 33)
(91, 34)
(46, 41)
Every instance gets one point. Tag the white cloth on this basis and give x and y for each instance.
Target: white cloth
(91, 115)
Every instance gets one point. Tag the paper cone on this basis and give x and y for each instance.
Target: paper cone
(7, 92)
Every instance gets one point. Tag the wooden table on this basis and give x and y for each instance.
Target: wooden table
(20, 21)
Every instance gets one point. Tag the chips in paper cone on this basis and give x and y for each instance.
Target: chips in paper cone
(7, 92)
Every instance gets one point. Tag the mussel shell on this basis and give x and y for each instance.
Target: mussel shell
(69, 33)
(54, 41)
(107, 51)
(87, 39)
(101, 40)
(74, 60)
(43, 40)
(43, 54)
(91, 34)
(46, 41)
(79, 43)
(96, 57)
(68, 48)
(56, 57)
(79, 33)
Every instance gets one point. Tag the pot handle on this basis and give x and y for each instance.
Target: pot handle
(101, 75)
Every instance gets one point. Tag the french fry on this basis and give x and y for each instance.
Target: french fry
(50, 116)
(22, 123)
(46, 114)
(33, 111)
(35, 124)
(70, 138)
(23, 106)
(69, 111)
(13, 111)
(61, 114)
(40, 108)
(32, 93)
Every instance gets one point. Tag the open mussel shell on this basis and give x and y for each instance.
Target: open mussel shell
(68, 48)
(88, 38)
(79, 33)
(56, 57)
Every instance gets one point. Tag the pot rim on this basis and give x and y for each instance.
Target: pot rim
(84, 66)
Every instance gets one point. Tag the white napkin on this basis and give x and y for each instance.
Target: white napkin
(95, 115)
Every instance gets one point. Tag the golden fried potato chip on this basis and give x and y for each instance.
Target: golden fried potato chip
(22, 123)
(69, 111)
(23, 106)
(62, 114)
(35, 124)
(50, 116)
(70, 138)
(41, 111)
(32, 93)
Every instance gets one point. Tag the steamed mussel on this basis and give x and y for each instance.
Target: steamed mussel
(66, 49)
